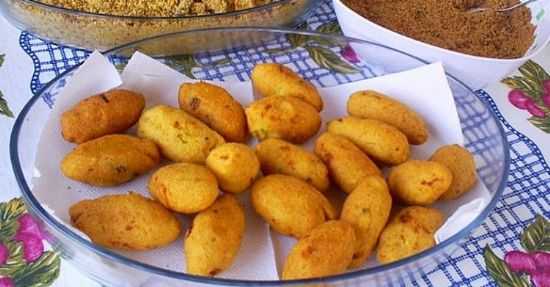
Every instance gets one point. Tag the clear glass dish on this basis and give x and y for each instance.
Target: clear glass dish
(325, 60)
(102, 32)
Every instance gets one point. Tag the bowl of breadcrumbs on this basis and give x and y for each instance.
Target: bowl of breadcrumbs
(480, 48)
(102, 25)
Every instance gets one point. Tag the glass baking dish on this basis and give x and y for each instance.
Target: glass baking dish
(102, 32)
(326, 60)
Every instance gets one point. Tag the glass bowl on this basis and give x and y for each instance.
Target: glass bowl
(102, 32)
(325, 60)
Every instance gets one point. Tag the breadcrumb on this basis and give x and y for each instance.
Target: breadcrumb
(448, 24)
(157, 8)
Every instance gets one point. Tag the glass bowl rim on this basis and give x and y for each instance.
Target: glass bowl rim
(37, 209)
(154, 18)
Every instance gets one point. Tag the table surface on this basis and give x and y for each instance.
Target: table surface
(27, 63)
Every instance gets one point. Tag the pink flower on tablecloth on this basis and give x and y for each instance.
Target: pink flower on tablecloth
(4, 254)
(30, 264)
(541, 278)
(535, 110)
(32, 246)
(542, 260)
(30, 235)
(546, 99)
(546, 86)
(521, 267)
(519, 261)
(349, 54)
(27, 224)
(530, 91)
(546, 96)
(519, 99)
(6, 282)
(536, 264)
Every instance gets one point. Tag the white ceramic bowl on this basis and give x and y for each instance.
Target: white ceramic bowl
(477, 72)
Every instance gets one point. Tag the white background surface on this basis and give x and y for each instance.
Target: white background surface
(15, 77)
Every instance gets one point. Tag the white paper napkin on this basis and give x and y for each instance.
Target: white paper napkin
(424, 89)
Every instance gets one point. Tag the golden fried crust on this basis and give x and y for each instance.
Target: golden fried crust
(286, 118)
(382, 142)
(276, 80)
(327, 250)
(214, 106)
(184, 187)
(290, 205)
(461, 163)
(368, 209)
(214, 238)
(409, 232)
(419, 182)
(110, 160)
(180, 136)
(108, 113)
(235, 165)
(376, 106)
(278, 156)
(346, 163)
(430, 219)
(125, 222)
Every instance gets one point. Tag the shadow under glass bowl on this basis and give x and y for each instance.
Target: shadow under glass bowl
(326, 60)
(102, 31)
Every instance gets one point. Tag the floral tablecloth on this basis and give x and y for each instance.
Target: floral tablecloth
(509, 249)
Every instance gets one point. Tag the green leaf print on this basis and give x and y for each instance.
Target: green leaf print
(500, 272)
(9, 212)
(297, 40)
(184, 64)
(541, 123)
(529, 87)
(534, 71)
(4, 108)
(329, 28)
(41, 273)
(536, 237)
(120, 66)
(328, 59)
(530, 82)
(15, 260)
